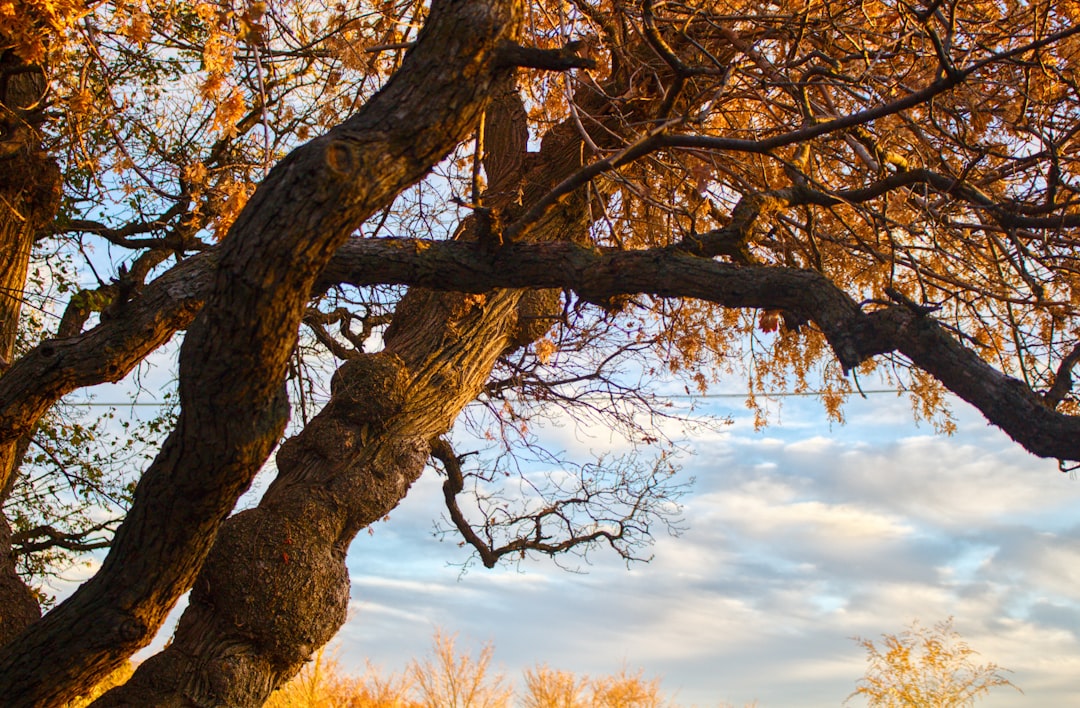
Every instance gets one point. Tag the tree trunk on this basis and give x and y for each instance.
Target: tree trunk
(29, 198)
(233, 361)
(275, 587)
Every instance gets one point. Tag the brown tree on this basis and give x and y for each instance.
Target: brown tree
(798, 192)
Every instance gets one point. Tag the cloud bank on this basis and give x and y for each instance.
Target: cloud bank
(799, 538)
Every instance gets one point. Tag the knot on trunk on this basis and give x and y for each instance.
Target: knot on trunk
(537, 312)
(292, 564)
(369, 388)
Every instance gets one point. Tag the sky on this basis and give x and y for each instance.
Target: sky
(797, 538)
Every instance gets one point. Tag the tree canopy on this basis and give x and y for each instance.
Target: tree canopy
(489, 209)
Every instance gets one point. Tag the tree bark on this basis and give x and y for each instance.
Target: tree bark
(275, 586)
(29, 198)
(233, 361)
(18, 604)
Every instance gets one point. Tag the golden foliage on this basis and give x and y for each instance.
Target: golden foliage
(443, 680)
(447, 680)
(322, 683)
(34, 27)
(625, 690)
(925, 668)
(551, 688)
(545, 349)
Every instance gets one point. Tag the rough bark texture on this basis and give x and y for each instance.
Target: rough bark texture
(18, 606)
(232, 364)
(275, 586)
(854, 335)
(29, 197)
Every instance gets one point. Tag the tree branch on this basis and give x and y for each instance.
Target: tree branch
(108, 351)
(41, 538)
(612, 503)
(565, 58)
(454, 485)
(1063, 381)
(234, 358)
(665, 272)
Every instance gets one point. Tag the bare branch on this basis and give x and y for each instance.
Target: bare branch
(42, 538)
(1063, 379)
(614, 503)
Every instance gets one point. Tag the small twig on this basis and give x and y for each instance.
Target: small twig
(650, 142)
(1062, 379)
(916, 308)
(478, 156)
(44, 537)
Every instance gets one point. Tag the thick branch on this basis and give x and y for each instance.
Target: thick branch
(37, 380)
(44, 537)
(563, 59)
(111, 350)
(854, 335)
(234, 358)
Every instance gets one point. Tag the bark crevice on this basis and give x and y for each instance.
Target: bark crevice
(233, 361)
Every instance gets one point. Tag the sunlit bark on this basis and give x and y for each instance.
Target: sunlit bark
(29, 196)
(232, 364)
(858, 170)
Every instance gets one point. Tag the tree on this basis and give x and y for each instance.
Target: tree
(447, 678)
(553, 688)
(925, 667)
(323, 684)
(798, 192)
(627, 691)
(458, 681)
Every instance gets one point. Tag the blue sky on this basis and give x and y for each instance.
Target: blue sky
(799, 537)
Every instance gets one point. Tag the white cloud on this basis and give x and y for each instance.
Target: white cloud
(800, 538)
(1055, 567)
(368, 583)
